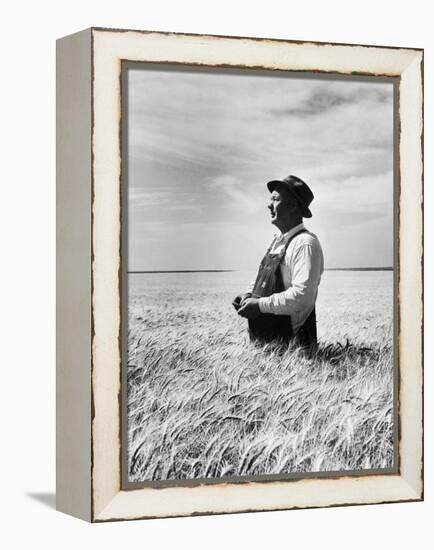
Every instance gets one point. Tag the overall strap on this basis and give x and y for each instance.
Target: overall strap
(267, 252)
(271, 245)
(268, 273)
(285, 246)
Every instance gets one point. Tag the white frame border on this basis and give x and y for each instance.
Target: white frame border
(109, 48)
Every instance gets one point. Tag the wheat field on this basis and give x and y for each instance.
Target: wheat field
(203, 402)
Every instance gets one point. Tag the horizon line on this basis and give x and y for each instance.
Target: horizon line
(386, 268)
(184, 271)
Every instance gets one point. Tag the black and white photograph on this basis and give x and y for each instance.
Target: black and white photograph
(259, 274)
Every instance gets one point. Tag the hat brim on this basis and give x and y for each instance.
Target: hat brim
(276, 184)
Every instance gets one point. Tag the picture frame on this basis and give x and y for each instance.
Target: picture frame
(90, 324)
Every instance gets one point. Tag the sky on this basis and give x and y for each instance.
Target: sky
(203, 144)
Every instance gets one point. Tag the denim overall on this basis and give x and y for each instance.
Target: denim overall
(269, 327)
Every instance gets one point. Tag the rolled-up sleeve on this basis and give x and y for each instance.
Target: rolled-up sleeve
(301, 294)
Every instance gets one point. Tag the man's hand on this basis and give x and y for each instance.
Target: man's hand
(240, 299)
(249, 308)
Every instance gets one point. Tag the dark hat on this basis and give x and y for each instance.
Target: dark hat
(298, 189)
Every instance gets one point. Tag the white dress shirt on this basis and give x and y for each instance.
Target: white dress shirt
(301, 269)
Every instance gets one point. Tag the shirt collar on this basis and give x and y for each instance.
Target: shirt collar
(291, 232)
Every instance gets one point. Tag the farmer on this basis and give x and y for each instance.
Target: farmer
(280, 303)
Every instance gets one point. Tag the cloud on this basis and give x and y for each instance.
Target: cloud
(202, 145)
(356, 217)
(241, 197)
(317, 103)
(328, 97)
(142, 199)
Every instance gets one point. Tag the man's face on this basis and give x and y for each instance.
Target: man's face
(282, 207)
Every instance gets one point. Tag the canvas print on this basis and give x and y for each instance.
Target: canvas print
(258, 274)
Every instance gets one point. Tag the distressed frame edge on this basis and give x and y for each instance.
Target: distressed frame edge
(411, 157)
(414, 492)
(106, 516)
(257, 39)
(73, 275)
